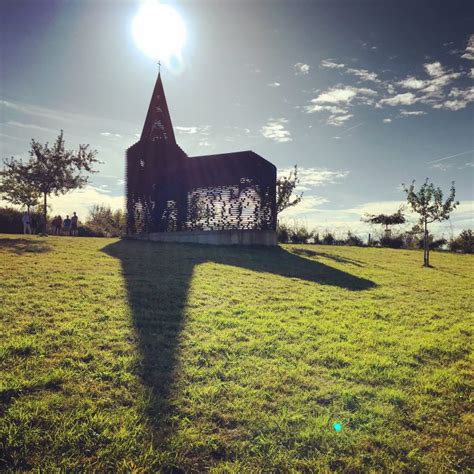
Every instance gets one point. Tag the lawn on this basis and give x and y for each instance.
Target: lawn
(135, 356)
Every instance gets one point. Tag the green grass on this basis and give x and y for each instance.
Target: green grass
(134, 356)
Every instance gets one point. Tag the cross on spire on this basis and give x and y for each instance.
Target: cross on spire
(159, 67)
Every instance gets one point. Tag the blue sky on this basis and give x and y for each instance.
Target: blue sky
(362, 95)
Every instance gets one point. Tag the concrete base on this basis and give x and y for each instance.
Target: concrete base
(211, 237)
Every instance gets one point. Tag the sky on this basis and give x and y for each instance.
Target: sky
(361, 95)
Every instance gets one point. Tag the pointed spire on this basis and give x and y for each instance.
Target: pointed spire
(158, 126)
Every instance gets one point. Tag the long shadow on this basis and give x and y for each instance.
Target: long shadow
(21, 246)
(337, 258)
(158, 277)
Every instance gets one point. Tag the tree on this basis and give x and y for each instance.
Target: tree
(55, 170)
(428, 203)
(102, 220)
(285, 186)
(16, 186)
(386, 219)
(464, 242)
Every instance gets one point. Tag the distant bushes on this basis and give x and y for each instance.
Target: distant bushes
(300, 234)
(464, 242)
(10, 220)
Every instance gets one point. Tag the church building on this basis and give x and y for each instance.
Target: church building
(228, 198)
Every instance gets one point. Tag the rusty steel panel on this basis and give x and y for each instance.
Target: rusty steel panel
(168, 191)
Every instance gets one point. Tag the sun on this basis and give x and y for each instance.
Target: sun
(159, 31)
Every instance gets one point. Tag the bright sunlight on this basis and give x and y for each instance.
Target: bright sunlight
(159, 31)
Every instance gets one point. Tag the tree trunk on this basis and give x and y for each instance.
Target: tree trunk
(426, 246)
(44, 214)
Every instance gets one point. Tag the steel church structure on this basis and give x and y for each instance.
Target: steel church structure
(223, 198)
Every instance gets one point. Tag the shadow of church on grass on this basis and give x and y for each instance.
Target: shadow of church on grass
(158, 278)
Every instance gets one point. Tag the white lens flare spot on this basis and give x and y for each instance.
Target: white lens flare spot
(159, 31)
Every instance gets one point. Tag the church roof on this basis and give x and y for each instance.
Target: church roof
(158, 126)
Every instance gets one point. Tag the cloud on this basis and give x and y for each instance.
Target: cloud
(274, 84)
(407, 98)
(187, 130)
(81, 200)
(315, 177)
(407, 113)
(336, 95)
(434, 69)
(460, 98)
(338, 120)
(275, 130)
(364, 74)
(111, 135)
(469, 51)
(329, 64)
(301, 68)
(334, 109)
(412, 83)
(386, 120)
(34, 110)
(31, 126)
(441, 166)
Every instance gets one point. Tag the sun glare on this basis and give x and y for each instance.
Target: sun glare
(159, 31)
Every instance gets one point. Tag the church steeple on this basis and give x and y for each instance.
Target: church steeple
(158, 126)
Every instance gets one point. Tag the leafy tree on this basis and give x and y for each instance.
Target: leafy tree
(386, 219)
(55, 170)
(16, 186)
(103, 221)
(285, 187)
(464, 242)
(428, 203)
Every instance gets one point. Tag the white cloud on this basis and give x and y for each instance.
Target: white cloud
(111, 135)
(274, 84)
(187, 130)
(301, 68)
(338, 120)
(407, 98)
(407, 113)
(329, 64)
(386, 120)
(434, 69)
(364, 74)
(412, 83)
(469, 51)
(314, 177)
(81, 200)
(441, 166)
(334, 109)
(275, 130)
(31, 126)
(336, 95)
(460, 98)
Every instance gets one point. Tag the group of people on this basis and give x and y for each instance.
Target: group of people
(68, 226)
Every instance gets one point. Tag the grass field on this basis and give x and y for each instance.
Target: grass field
(133, 356)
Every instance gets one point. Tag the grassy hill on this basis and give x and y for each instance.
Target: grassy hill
(133, 356)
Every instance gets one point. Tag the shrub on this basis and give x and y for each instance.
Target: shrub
(392, 242)
(463, 243)
(328, 239)
(103, 222)
(283, 233)
(300, 234)
(10, 220)
(353, 239)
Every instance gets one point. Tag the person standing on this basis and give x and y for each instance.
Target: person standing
(74, 220)
(67, 225)
(33, 223)
(26, 223)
